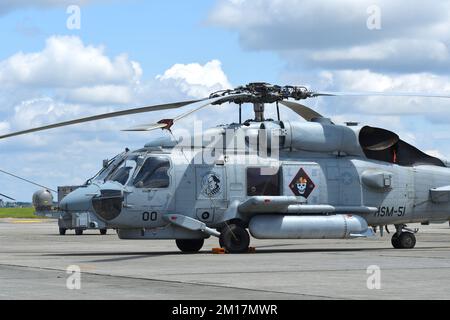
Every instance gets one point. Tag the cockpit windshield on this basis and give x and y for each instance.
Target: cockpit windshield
(123, 171)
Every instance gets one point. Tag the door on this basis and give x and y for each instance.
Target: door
(211, 192)
(151, 195)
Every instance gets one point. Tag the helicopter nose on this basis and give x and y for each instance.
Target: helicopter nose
(79, 200)
(104, 200)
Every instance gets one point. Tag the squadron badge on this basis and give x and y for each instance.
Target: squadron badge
(211, 185)
(302, 185)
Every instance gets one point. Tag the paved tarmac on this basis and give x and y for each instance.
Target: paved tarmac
(34, 260)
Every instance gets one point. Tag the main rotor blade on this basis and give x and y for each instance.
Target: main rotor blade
(104, 116)
(28, 181)
(303, 111)
(2, 195)
(168, 123)
(376, 94)
(148, 127)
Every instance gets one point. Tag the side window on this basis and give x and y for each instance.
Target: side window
(153, 174)
(260, 184)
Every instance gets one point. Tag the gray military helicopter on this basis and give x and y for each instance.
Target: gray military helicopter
(274, 179)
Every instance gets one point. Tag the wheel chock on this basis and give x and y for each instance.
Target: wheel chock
(218, 251)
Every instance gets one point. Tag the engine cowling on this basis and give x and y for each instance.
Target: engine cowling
(320, 137)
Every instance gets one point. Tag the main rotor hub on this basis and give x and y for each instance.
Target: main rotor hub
(261, 92)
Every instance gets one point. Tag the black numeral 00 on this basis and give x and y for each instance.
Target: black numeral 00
(147, 216)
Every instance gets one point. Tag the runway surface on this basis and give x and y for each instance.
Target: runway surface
(34, 260)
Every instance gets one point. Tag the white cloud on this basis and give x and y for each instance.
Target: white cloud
(4, 127)
(66, 62)
(196, 80)
(321, 33)
(365, 80)
(103, 94)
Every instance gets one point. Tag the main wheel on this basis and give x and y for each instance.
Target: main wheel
(395, 241)
(78, 232)
(235, 239)
(103, 231)
(407, 240)
(190, 245)
(62, 231)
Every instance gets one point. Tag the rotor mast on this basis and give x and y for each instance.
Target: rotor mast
(258, 108)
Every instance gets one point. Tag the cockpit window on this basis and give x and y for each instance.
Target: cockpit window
(153, 174)
(123, 172)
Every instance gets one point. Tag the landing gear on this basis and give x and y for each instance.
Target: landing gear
(234, 239)
(403, 239)
(79, 232)
(62, 231)
(103, 231)
(190, 245)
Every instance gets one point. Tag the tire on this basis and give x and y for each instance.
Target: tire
(78, 232)
(235, 239)
(190, 245)
(62, 231)
(103, 231)
(407, 240)
(395, 241)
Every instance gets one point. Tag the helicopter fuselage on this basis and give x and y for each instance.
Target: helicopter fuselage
(380, 193)
(179, 192)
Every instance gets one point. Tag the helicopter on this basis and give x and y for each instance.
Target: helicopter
(66, 221)
(271, 179)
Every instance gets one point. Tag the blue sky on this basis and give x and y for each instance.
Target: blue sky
(135, 53)
(155, 33)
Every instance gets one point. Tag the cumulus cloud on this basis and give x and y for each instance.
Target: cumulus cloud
(66, 62)
(321, 33)
(196, 80)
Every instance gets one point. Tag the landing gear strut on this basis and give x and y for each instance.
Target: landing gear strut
(404, 238)
(234, 239)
